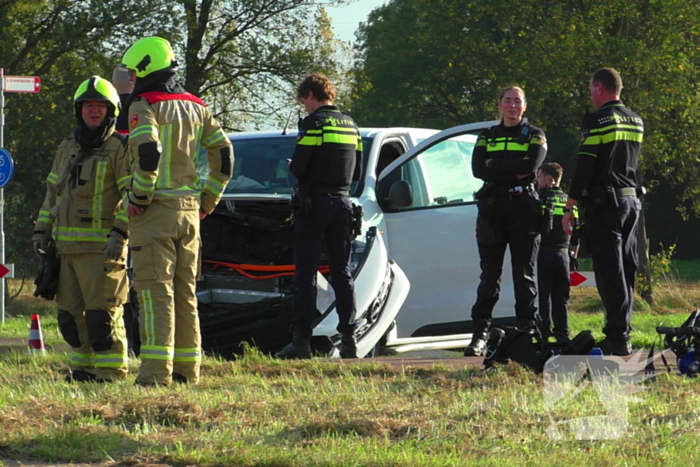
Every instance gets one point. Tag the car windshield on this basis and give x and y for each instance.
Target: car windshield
(260, 165)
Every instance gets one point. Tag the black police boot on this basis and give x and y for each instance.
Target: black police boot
(525, 323)
(348, 346)
(619, 347)
(299, 348)
(477, 346)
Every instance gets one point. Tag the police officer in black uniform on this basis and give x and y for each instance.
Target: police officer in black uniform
(605, 182)
(327, 159)
(506, 158)
(558, 252)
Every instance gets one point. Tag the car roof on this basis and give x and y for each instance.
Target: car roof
(364, 132)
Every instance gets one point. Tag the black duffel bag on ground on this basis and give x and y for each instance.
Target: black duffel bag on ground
(528, 348)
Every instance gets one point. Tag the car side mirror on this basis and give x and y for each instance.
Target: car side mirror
(400, 196)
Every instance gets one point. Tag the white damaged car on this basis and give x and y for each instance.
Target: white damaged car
(416, 265)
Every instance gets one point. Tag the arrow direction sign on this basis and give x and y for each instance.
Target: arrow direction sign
(22, 84)
(6, 269)
(582, 279)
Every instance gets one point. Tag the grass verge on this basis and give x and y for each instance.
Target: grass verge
(258, 411)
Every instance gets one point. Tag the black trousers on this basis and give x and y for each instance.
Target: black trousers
(553, 288)
(507, 221)
(611, 234)
(328, 222)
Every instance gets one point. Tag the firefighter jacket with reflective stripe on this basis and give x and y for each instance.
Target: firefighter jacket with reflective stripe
(611, 140)
(167, 134)
(555, 199)
(83, 203)
(514, 150)
(328, 154)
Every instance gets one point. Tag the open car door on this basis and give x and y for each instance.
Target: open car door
(427, 196)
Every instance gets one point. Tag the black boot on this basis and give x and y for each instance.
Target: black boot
(477, 346)
(80, 376)
(299, 348)
(525, 323)
(348, 346)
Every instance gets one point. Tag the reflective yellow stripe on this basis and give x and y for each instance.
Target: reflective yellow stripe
(78, 234)
(110, 361)
(122, 182)
(141, 130)
(614, 132)
(81, 359)
(310, 140)
(142, 184)
(338, 138)
(507, 145)
(186, 355)
(182, 191)
(622, 136)
(45, 217)
(100, 175)
(166, 157)
(213, 139)
(148, 321)
(214, 186)
(52, 178)
(156, 352)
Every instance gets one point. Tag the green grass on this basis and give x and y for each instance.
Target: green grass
(686, 271)
(257, 411)
(261, 412)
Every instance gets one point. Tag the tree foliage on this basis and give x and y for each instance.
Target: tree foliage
(439, 63)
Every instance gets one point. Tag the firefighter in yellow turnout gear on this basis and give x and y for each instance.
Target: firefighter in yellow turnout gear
(83, 213)
(167, 199)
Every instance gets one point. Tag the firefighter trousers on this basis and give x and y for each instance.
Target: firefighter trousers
(165, 250)
(91, 291)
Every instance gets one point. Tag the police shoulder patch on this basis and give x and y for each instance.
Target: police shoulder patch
(584, 134)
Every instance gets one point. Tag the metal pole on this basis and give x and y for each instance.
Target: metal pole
(2, 198)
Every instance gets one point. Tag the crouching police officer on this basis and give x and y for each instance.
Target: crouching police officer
(327, 158)
(506, 158)
(83, 212)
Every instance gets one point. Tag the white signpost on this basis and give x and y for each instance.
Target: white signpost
(8, 84)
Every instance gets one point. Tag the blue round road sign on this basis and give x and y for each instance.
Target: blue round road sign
(7, 167)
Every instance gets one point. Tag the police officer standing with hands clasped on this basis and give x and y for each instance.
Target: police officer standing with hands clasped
(327, 158)
(506, 158)
(605, 184)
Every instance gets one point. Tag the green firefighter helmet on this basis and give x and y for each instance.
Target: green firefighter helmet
(97, 89)
(148, 55)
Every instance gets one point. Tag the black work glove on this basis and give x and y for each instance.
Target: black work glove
(573, 264)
